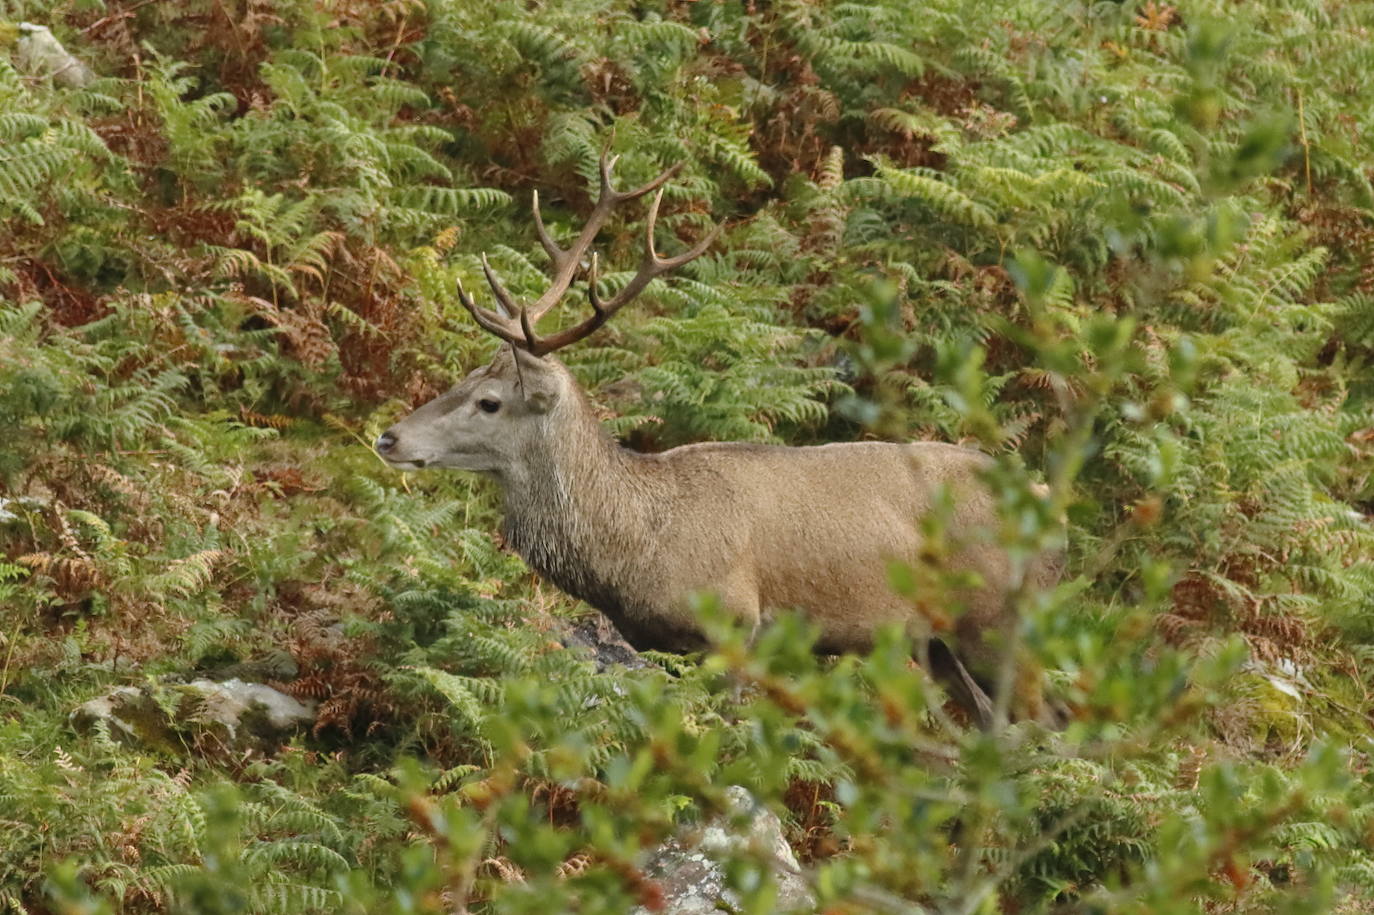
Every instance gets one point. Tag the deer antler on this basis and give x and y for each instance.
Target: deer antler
(516, 324)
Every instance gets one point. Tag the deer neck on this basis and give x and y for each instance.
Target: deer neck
(578, 511)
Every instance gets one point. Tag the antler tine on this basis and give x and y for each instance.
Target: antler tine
(672, 263)
(566, 261)
(487, 320)
(592, 295)
(606, 164)
(531, 341)
(599, 316)
(651, 266)
(608, 191)
(511, 307)
(516, 325)
(556, 254)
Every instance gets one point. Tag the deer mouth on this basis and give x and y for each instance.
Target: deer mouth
(416, 464)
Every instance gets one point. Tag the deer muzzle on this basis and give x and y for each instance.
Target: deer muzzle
(386, 447)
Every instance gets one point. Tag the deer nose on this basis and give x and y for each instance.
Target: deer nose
(385, 442)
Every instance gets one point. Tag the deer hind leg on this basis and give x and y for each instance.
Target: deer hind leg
(967, 692)
(978, 649)
(948, 667)
(973, 693)
(739, 598)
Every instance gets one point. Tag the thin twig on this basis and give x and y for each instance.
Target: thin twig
(125, 13)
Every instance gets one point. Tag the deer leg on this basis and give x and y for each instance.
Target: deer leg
(740, 599)
(967, 692)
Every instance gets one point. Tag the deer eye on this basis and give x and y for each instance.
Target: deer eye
(488, 405)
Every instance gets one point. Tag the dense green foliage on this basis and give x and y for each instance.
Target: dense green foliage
(1125, 247)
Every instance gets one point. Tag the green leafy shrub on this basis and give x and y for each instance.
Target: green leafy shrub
(1122, 247)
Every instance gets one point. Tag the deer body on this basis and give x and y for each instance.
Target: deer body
(766, 528)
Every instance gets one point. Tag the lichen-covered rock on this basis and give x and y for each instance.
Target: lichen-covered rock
(249, 711)
(41, 54)
(132, 716)
(688, 867)
(15, 509)
(232, 715)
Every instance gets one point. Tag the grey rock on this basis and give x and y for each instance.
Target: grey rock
(230, 716)
(131, 715)
(249, 710)
(9, 508)
(40, 54)
(597, 636)
(689, 867)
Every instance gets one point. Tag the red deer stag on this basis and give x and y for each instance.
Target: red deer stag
(766, 528)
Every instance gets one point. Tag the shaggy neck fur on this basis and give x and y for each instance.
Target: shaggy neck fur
(581, 509)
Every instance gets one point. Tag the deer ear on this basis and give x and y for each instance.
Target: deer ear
(539, 380)
(539, 401)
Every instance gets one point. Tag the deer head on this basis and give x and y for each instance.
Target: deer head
(491, 420)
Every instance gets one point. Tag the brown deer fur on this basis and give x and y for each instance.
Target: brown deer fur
(766, 528)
